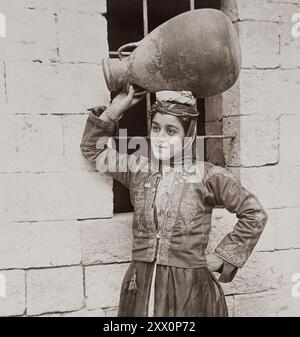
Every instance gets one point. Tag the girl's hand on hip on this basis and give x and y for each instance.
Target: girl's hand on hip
(125, 100)
(214, 262)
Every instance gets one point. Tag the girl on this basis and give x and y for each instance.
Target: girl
(173, 195)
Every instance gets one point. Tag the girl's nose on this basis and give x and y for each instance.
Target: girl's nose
(162, 134)
(161, 139)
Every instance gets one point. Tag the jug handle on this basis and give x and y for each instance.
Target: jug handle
(128, 45)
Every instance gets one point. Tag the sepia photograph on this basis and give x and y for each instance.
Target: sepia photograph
(150, 159)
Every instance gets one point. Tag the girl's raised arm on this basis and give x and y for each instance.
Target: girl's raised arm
(102, 124)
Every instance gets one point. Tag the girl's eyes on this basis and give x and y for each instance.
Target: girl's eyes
(171, 132)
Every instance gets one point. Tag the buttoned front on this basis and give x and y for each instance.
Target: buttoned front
(173, 209)
(173, 218)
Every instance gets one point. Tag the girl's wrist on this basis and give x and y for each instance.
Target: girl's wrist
(114, 116)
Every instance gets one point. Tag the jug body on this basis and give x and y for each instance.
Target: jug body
(196, 51)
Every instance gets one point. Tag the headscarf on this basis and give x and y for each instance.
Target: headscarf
(181, 104)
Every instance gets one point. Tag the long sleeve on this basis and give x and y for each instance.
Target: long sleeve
(102, 157)
(223, 189)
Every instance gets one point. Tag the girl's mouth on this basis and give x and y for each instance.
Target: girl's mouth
(161, 147)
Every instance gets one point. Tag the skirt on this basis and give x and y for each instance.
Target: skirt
(175, 292)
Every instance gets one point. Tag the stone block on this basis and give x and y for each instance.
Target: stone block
(73, 127)
(107, 241)
(42, 85)
(82, 37)
(259, 44)
(267, 10)
(290, 45)
(31, 34)
(103, 285)
(259, 142)
(39, 244)
(289, 140)
(27, 145)
(13, 303)
(265, 304)
(54, 290)
(274, 186)
(55, 196)
(269, 93)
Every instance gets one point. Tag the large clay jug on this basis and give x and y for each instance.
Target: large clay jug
(197, 51)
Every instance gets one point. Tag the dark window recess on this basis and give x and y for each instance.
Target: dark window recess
(125, 24)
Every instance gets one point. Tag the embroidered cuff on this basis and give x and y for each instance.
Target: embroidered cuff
(227, 271)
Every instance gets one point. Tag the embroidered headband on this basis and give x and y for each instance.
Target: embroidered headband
(177, 103)
(177, 109)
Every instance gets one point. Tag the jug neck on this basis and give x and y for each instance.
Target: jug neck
(115, 73)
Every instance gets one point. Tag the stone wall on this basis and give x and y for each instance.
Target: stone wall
(262, 109)
(50, 199)
(62, 251)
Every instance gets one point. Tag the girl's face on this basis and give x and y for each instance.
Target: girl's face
(166, 136)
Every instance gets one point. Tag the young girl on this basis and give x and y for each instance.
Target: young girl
(173, 195)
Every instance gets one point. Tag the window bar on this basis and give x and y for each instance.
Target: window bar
(146, 31)
(233, 136)
(218, 136)
(192, 4)
(115, 53)
(192, 7)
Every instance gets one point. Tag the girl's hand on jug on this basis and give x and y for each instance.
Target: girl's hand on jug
(125, 100)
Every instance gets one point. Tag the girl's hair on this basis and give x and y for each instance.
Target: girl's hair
(185, 124)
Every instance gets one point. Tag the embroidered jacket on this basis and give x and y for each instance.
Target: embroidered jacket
(177, 235)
